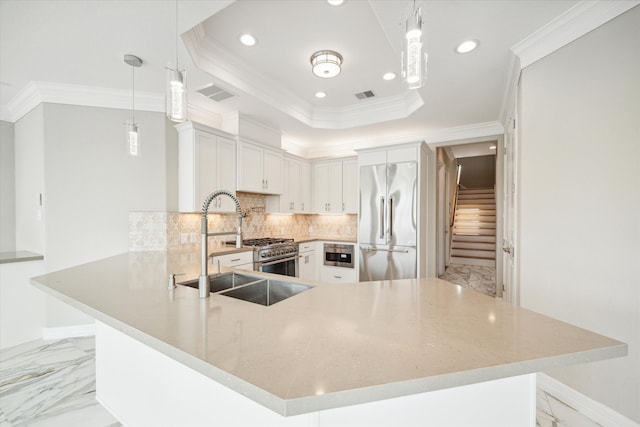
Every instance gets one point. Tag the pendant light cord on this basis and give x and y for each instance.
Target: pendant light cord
(133, 94)
(177, 68)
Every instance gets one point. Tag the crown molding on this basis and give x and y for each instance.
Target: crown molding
(212, 58)
(35, 93)
(477, 132)
(572, 24)
(466, 133)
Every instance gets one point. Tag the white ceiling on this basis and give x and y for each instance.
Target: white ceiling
(82, 42)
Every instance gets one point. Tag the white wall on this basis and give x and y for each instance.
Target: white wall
(29, 181)
(580, 199)
(7, 188)
(76, 157)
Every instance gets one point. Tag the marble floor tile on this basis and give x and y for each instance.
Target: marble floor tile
(552, 412)
(50, 384)
(479, 278)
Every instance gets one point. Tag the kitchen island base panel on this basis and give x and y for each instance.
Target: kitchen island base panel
(141, 386)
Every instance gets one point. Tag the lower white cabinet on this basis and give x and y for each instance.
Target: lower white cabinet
(308, 263)
(240, 260)
(332, 274)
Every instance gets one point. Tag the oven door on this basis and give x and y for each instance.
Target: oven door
(284, 266)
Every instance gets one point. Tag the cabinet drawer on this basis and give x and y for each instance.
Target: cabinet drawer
(235, 260)
(337, 274)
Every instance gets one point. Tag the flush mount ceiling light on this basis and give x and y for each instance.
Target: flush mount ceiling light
(133, 142)
(335, 2)
(320, 94)
(414, 60)
(389, 76)
(467, 46)
(248, 40)
(176, 89)
(326, 63)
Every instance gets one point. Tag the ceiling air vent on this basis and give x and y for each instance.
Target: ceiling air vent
(215, 93)
(366, 94)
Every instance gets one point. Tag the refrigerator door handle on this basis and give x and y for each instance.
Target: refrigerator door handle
(390, 217)
(382, 227)
(405, 251)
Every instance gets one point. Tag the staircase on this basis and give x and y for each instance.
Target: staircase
(473, 240)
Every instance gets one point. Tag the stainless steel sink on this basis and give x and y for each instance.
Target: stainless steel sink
(220, 282)
(267, 291)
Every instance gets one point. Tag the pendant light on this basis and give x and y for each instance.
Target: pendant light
(414, 60)
(133, 138)
(176, 90)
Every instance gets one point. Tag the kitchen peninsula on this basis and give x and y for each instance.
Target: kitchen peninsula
(337, 354)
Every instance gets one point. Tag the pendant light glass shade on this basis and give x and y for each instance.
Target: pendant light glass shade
(133, 146)
(414, 60)
(176, 95)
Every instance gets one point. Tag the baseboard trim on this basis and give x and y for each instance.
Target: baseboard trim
(585, 405)
(69, 332)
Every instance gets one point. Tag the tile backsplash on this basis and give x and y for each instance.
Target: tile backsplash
(159, 231)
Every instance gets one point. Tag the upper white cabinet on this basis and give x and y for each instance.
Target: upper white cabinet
(259, 169)
(296, 189)
(336, 186)
(206, 163)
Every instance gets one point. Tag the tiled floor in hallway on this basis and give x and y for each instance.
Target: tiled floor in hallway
(476, 277)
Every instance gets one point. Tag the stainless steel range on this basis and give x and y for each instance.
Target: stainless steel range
(274, 255)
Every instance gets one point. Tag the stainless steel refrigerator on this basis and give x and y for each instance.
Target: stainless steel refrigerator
(387, 228)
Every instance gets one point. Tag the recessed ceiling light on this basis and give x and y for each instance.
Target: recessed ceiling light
(335, 2)
(492, 147)
(467, 46)
(320, 94)
(248, 40)
(389, 76)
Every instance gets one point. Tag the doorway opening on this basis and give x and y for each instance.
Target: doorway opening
(468, 215)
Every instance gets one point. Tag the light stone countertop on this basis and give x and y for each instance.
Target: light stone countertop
(331, 346)
(19, 256)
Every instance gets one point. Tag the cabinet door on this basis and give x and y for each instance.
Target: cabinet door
(250, 175)
(350, 186)
(321, 185)
(205, 173)
(272, 170)
(304, 198)
(307, 266)
(225, 173)
(335, 187)
(291, 194)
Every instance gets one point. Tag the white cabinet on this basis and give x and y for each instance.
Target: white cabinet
(259, 169)
(241, 260)
(332, 274)
(296, 189)
(206, 163)
(336, 186)
(350, 186)
(307, 266)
